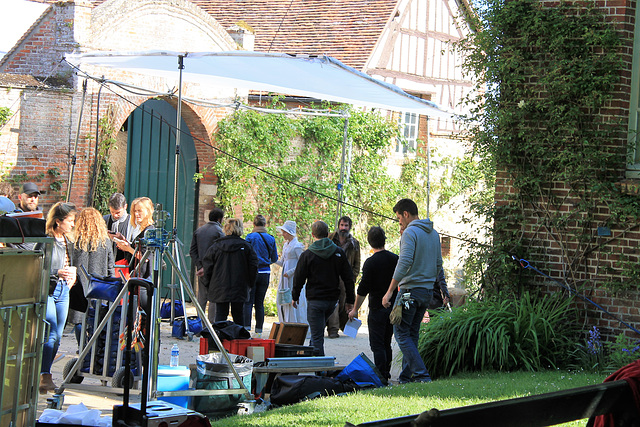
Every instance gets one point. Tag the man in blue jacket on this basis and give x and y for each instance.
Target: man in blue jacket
(265, 246)
(420, 261)
(321, 267)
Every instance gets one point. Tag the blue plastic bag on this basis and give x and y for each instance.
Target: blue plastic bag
(362, 371)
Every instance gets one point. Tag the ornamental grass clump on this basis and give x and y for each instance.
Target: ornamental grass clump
(527, 333)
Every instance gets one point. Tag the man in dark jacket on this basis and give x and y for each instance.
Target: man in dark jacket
(321, 267)
(202, 240)
(351, 247)
(118, 223)
(230, 268)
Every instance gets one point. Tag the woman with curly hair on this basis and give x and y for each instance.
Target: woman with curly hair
(59, 225)
(141, 221)
(93, 250)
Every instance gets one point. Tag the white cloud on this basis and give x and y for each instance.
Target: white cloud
(22, 14)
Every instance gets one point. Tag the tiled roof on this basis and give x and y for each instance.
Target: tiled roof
(18, 80)
(344, 29)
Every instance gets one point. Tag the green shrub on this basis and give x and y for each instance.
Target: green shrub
(528, 333)
(622, 352)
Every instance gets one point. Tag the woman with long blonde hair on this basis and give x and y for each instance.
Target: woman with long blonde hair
(92, 250)
(141, 220)
(59, 225)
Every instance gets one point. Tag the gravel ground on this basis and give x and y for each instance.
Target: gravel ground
(95, 395)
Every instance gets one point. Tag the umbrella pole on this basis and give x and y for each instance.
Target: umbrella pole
(75, 148)
(428, 169)
(178, 134)
(342, 166)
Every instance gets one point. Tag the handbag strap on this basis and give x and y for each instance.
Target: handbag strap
(266, 244)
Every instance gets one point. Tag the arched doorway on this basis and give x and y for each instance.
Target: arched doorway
(151, 148)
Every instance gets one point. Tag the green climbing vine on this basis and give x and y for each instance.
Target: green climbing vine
(546, 75)
(308, 151)
(5, 113)
(105, 184)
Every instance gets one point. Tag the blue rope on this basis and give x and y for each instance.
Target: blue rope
(525, 264)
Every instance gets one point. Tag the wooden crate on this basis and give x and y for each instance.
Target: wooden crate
(289, 333)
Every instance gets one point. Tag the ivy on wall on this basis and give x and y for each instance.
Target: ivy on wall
(540, 123)
(308, 151)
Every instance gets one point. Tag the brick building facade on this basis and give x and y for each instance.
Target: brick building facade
(41, 133)
(613, 252)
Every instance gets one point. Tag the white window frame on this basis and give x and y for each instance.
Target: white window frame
(407, 143)
(633, 167)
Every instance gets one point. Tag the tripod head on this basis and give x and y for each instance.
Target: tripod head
(158, 237)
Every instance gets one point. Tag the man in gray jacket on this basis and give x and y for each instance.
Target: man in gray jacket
(203, 237)
(417, 269)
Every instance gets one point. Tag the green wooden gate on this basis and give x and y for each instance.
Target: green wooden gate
(151, 148)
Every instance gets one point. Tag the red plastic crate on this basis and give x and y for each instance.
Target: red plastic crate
(239, 347)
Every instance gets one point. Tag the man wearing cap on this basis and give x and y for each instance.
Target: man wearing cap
(28, 198)
(27, 202)
(265, 246)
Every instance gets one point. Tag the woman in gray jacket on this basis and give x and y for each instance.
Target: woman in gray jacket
(93, 250)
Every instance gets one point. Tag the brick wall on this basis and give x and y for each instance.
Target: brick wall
(605, 256)
(42, 134)
(41, 138)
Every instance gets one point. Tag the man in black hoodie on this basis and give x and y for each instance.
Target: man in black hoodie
(321, 267)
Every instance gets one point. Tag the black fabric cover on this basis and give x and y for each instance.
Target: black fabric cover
(288, 389)
(22, 227)
(227, 330)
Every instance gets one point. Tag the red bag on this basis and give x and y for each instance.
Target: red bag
(122, 266)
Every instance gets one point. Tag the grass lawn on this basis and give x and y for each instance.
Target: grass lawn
(400, 400)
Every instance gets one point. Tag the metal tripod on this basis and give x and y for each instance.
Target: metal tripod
(156, 242)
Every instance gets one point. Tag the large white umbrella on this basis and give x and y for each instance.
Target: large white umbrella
(320, 77)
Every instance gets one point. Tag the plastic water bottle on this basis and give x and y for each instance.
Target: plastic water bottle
(175, 354)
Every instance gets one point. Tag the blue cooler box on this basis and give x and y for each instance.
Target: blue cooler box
(174, 378)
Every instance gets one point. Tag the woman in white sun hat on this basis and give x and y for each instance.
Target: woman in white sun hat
(288, 260)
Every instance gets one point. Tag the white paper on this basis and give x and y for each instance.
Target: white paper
(352, 326)
(75, 415)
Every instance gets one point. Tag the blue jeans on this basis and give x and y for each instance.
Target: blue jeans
(256, 297)
(56, 317)
(318, 312)
(380, 333)
(407, 332)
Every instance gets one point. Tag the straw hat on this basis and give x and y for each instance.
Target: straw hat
(288, 226)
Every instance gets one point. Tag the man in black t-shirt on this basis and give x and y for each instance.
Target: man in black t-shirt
(376, 276)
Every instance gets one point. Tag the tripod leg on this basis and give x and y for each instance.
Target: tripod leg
(201, 313)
